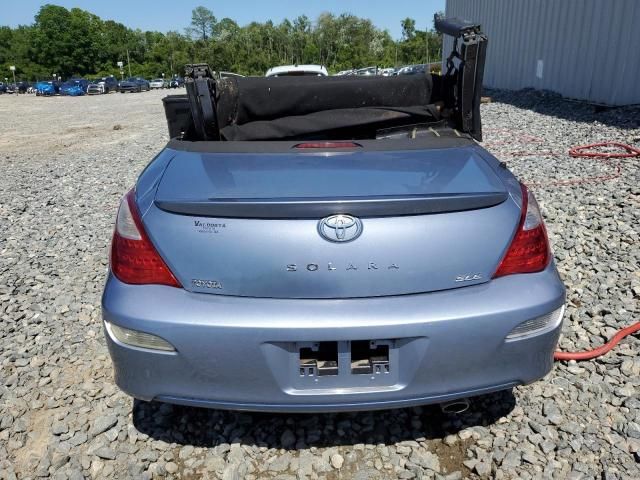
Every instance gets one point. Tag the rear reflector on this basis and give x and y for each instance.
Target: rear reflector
(529, 249)
(134, 259)
(138, 339)
(537, 325)
(328, 145)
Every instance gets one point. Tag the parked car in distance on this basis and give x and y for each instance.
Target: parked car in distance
(95, 87)
(129, 85)
(74, 87)
(47, 88)
(156, 83)
(134, 84)
(3, 88)
(110, 84)
(367, 71)
(414, 69)
(387, 72)
(343, 73)
(103, 85)
(144, 84)
(22, 87)
(176, 82)
(404, 70)
(229, 75)
(297, 70)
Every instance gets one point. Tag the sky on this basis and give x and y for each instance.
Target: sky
(165, 15)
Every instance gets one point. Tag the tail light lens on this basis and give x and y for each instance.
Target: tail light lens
(328, 145)
(134, 259)
(529, 249)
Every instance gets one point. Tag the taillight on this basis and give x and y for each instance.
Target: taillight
(529, 249)
(327, 145)
(134, 259)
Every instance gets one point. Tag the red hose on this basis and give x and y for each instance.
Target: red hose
(587, 151)
(597, 352)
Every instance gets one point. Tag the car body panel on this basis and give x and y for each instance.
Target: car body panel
(393, 255)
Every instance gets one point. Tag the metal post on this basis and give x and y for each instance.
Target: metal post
(426, 38)
(128, 62)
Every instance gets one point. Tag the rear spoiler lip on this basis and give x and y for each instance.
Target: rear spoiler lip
(297, 208)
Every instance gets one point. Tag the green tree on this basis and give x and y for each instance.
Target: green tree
(408, 28)
(203, 23)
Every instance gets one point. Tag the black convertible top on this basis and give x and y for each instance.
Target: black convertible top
(260, 108)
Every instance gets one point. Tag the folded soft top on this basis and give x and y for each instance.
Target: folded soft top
(249, 99)
(289, 107)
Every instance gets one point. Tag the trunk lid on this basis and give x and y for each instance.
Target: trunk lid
(248, 224)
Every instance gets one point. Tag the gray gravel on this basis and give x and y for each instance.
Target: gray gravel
(63, 169)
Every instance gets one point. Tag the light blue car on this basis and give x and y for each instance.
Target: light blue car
(327, 243)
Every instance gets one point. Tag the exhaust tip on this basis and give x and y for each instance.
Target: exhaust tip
(455, 406)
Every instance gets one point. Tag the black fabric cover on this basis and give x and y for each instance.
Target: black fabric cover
(250, 99)
(340, 123)
(269, 108)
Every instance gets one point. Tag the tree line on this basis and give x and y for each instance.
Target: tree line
(76, 42)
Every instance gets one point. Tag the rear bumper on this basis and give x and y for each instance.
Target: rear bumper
(242, 353)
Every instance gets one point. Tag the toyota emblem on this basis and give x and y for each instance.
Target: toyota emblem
(340, 228)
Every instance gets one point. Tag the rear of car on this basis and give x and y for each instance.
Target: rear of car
(156, 83)
(237, 283)
(305, 245)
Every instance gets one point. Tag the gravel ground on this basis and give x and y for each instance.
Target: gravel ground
(64, 164)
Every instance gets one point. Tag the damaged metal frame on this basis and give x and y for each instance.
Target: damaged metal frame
(201, 91)
(469, 70)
